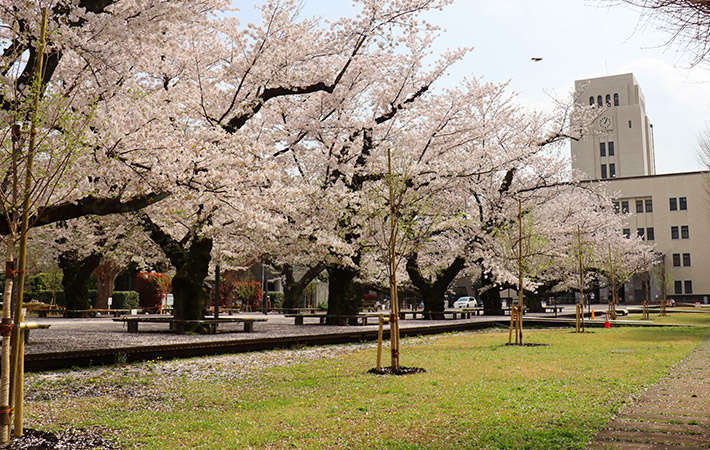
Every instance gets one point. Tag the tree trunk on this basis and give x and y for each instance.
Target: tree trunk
(75, 280)
(293, 290)
(188, 283)
(433, 293)
(192, 266)
(344, 296)
(534, 303)
(106, 274)
(490, 295)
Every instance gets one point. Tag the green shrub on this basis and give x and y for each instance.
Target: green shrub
(125, 300)
(277, 298)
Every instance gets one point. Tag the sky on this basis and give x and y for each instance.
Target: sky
(577, 39)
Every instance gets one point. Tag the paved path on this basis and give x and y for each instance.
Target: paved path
(673, 413)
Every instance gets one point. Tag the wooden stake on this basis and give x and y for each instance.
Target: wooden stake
(394, 317)
(379, 343)
(17, 339)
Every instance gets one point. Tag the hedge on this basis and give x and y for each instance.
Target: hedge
(277, 298)
(125, 300)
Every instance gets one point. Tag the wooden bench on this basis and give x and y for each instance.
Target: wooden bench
(179, 325)
(343, 319)
(506, 310)
(45, 312)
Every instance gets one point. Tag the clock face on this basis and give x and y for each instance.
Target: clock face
(605, 122)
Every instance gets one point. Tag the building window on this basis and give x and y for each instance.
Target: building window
(611, 148)
(608, 100)
(639, 231)
(674, 232)
(676, 259)
(649, 205)
(688, 287)
(627, 232)
(684, 233)
(602, 149)
(686, 259)
(616, 99)
(678, 287)
(625, 206)
(683, 203)
(612, 170)
(591, 101)
(599, 100)
(674, 204)
(629, 124)
(616, 206)
(604, 171)
(639, 206)
(650, 234)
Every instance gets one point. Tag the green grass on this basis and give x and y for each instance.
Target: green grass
(675, 318)
(476, 393)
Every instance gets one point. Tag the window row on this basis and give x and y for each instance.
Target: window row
(680, 203)
(611, 173)
(647, 234)
(642, 205)
(606, 100)
(604, 146)
(684, 232)
(687, 284)
(678, 258)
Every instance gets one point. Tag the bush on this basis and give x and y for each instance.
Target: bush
(277, 299)
(125, 300)
(93, 293)
(151, 288)
(46, 297)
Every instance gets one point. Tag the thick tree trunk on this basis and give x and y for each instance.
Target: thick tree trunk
(188, 283)
(293, 290)
(490, 295)
(344, 296)
(75, 279)
(106, 274)
(433, 293)
(534, 303)
(191, 262)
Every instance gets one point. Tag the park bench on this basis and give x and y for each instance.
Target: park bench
(552, 309)
(179, 325)
(343, 319)
(506, 310)
(45, 312)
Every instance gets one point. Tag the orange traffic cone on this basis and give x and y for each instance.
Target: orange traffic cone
(592, 315)
(606, 322)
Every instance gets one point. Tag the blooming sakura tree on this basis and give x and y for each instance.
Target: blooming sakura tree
(328, 145)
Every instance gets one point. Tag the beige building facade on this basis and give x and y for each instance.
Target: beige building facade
(670, 211)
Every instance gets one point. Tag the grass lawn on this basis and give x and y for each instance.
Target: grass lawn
(676, 318)
(476, 393)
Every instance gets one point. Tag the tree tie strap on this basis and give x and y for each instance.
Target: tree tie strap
(6, 327)
(5, 412)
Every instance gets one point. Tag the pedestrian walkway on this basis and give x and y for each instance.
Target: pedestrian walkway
(673, 413)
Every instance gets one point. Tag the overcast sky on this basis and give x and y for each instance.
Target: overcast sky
(577, 39)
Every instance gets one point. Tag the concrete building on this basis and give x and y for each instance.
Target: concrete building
(669, 210)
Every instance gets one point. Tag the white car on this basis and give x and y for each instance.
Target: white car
(466, 302)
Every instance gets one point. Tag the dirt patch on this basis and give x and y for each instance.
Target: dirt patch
(74, 439)
(401, 371)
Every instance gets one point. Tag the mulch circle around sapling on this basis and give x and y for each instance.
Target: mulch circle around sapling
(75, 439)
(527, 345)
(401, 371)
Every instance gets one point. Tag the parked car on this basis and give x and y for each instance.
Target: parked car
(466, 302)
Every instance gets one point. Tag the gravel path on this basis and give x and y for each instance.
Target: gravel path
(673, 413)
(103, 333)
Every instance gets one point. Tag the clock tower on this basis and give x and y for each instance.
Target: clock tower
(620, 142)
